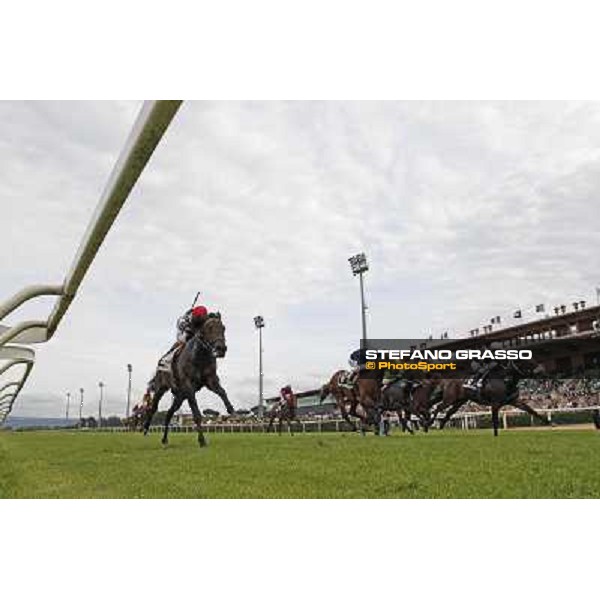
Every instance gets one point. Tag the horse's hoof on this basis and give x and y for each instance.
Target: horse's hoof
(165, 443)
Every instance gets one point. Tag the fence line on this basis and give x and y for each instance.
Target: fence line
(467, 420)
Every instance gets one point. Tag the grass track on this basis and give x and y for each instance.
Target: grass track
(518, 464)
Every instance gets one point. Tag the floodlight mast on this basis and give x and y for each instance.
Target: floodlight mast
(129, 370)
(101, 386)
(259, 323)
(359, 265)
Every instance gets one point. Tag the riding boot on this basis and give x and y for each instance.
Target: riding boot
(175, 345)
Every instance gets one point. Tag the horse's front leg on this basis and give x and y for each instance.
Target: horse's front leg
(175, 406)
(197, 419)
(344, 413)
(214, 385)
(454, 407)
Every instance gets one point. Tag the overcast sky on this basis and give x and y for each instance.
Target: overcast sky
(465, 210)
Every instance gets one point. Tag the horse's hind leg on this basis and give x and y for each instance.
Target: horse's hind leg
(175, 406)
(197, 420)
(528, 409)
(159, 393)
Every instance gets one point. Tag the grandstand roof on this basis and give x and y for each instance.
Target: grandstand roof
(561, 324)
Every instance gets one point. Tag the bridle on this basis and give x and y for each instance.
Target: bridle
(203, 343)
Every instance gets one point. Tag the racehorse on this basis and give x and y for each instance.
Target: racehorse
(368, 386)
(411, 397)
(284, 412)
(495, 392)
(136, 420)
(193, 367)
(342, 395)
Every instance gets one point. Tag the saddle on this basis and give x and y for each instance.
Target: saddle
(167, 361)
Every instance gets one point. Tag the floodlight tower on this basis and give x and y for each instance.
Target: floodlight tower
(129, 370)
(68, 403)
(359, 265)
(101, 386)
(80, 405)
(259, 323)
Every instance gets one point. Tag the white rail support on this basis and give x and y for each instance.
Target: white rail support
(26, 294)
(13, 334)
(16, 355)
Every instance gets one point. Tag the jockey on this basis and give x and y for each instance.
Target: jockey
(357, 361)
(187, 324)
(287, 397)
(481, 369)
(390, 377)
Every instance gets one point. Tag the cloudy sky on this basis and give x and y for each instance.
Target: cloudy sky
(466, 210)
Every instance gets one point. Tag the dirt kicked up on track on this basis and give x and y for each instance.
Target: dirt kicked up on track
(517, 464)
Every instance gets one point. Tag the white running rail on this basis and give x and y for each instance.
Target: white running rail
(150, 126)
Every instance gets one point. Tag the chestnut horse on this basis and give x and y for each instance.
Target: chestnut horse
(342, 395)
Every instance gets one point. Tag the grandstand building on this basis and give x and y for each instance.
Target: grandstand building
(309, 403)
(566, 343)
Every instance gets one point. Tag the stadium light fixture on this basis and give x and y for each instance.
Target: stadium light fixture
(259, 323)
(68, 403)
(80, 405)
(359, 265)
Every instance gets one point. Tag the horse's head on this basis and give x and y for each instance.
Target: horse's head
(213, 334)
(325, 390)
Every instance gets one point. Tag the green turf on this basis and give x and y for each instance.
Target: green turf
(518, 464)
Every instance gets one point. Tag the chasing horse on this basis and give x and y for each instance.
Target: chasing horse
(363, 392)
(346, 398)
(189, 366)
(284, 410)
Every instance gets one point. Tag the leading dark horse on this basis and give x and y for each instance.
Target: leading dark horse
(500, 389)
(193, 367)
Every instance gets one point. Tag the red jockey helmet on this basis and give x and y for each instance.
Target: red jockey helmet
(199, 312)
